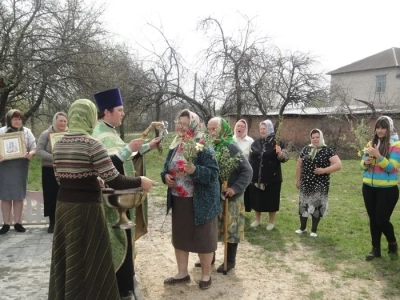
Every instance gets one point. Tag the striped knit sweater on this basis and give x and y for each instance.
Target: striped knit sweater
(384, 171)
(79, 156)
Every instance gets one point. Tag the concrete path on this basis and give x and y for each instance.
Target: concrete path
(25, 264)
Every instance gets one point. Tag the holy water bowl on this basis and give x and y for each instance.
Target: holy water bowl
(122, 200)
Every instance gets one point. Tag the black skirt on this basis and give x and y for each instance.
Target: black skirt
(267, 200)
(187, 236)
(50, 191)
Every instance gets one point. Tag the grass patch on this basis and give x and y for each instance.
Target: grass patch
(343, 235)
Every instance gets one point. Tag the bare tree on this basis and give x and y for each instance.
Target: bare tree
(227, 58)
(295, 80)
(41, 42)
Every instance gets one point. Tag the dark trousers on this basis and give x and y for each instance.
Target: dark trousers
(380, 203)
(126, 272)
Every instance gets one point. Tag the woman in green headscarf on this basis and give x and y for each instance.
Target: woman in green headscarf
(238, 181)
(81, 263)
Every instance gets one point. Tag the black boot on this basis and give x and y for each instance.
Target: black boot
(51, 228)
(232, 248)
(198, 263)
(393, 248)
(375, 253)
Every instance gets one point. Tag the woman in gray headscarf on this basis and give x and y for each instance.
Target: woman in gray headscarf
(49, 182)
(314, 165)
(266, 156)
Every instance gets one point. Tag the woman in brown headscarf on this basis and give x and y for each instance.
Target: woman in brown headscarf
(14, 173)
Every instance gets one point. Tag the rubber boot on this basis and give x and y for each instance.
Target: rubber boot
(231, 260)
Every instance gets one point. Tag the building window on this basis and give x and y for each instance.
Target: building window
(380, 84)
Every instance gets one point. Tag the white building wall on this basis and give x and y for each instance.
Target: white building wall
(361, 85)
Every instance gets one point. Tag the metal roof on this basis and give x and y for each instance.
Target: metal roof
(385, 59)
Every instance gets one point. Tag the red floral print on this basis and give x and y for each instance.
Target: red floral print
(180, 164)
(181, 191)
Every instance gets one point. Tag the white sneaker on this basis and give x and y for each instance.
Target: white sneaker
(313, 234)
(299, 231)
(270, 226)
(255, 224)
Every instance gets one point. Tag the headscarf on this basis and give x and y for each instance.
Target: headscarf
(9, 117)
(246, 128)
(194, 125)
(82, 116)
(270, 127)
(314, 150)
(393, 134)
(54, 123)
(225, 136)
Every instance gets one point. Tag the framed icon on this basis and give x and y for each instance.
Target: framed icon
(54, 137)
(12, 145)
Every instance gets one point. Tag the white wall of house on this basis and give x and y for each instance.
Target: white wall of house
(362, 85)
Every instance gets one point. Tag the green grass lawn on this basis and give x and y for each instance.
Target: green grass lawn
(343, 235)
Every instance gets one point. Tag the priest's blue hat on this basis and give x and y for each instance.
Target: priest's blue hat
(108, 99)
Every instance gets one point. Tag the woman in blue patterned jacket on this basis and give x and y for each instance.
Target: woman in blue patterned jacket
(193, 195)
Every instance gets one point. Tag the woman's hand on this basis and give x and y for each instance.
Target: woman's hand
(229, 192)
(319, 171)
(278, 150)
(297, 184)
(147, 183)
(29, 155)
(368, 160)
(189, 168)
(373, 151)
(170, 181)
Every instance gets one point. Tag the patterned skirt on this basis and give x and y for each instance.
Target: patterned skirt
(81, 262)
(236, 217)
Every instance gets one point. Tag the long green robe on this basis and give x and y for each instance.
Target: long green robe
(133, 164)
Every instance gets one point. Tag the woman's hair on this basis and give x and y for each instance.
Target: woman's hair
(314, 131)
(13, 113)
(384, 142)
(184, 113)
(61, 113)
(17, 114)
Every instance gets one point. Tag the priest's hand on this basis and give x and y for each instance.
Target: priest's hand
(135, 144)
(154, 143)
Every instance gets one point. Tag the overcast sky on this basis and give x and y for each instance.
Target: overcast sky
(337, 32)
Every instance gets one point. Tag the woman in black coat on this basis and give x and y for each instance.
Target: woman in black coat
(266, 156)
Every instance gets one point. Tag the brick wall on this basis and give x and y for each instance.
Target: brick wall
(296, 129)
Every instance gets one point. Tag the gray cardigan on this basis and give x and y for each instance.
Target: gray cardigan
(43, 149)
(241, 176)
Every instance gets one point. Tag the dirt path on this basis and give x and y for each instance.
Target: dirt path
(258, 274)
